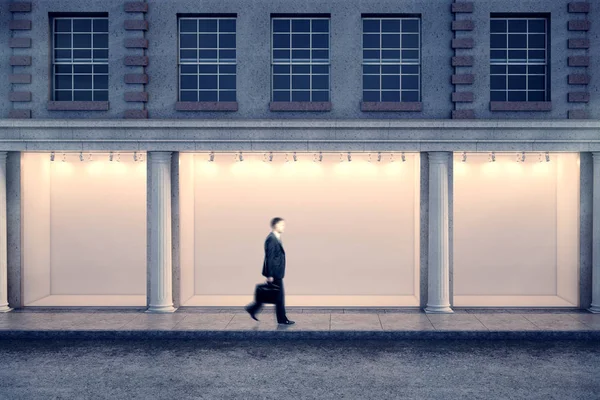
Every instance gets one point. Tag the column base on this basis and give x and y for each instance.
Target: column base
(438, 310)
(160, 309)
(595, 309)
(5, 309)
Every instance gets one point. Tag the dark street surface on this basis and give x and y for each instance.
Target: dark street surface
(310, 369)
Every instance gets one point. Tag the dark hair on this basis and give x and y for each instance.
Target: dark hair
(274, 221)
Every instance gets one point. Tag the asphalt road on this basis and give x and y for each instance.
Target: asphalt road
(299, 370)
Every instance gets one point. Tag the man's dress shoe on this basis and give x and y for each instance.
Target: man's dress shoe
(288, 322)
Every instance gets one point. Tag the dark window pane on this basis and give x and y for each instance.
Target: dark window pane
(390, 95)
(536, 96)
(62, 82)
(100, 69)
(101, 82)
(410, 95)
(390, 69)
(82, 95)
(370, 82)
(537, 41)
(498, 41)
(497, 26)
(207, 54)
(537, 26)
(63, 25)
(227, 95)
(207, 96)
(227, 69)
(320, 41)
(188, 55)
(189, 82)
(227, 25)
(496, 95)
(517, 41)
(301, 54)
(82, 54)
(498, 69)
(320, 82)
(301, 69)
(189, 95)
(82, 68)
(101, 40)
(188, 41)
(390, 41)
(498, 82)
(227, 82)
(410, 82)
(62, 41)
(100, 55)
(189, 69)
(536, 69)
(320, 55)
(498, 55)
(390, 54)
(281, 41)
(371, 25)
(516, 82)
(100, 95)
(370, 95)
(537, 55)
(281, 54)
(370, 69)
(227, 41)
(207, 25)
(281, 69)
(371, 41)
(188, 25)
(300, 25)
(516, 69)
(82, 25)
(300, 82)
(320, 95)
(301, 41)
(207, 41)
(62, 54)
(516, 96)
(281, 96)
(300, 96)
(410, 41)
(411, 25)
(517, 55)
(390, 82)
(63, 69)
(82, 41)
(320, 69)
(281, 25)
(371, 54)
(208, 82)
(410, 55)
(63, 95)
(517, 25)
(227, 55)
(101, 25)
(536, 82)
(390, 25)
(281, 82)
(410, 69)
(320, 25)
(83, 81)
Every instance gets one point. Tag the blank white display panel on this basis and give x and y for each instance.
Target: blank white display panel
(351, 228)
(516, 230)
(84, 230)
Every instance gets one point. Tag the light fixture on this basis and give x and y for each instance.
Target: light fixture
(211, 156)
(141, 157)
(547, 157)
(118, 157)
(295, 157)
(521, 157)
(64, 157)
(403, 157)
(492, 157)
(464, 156)
(341, 157)
(52, 156)
(241, 156)
(110, 156)
(391, 157)
(314, 157)
(320, 156)
(286, 158)
(89, 156)
(270, 156)
(369, 157)
(379, 157)
(135, 158)
(80, 156)
(349, 157)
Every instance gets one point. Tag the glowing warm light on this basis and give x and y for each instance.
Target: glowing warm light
(209, 169)
(460, 168)
(491, 168)
(541, 168)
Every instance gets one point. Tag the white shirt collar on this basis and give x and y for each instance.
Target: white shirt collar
(277, 235)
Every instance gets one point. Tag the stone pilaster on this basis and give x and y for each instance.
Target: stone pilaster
(3, 243)
(160, 238)
(595, 306)
(438, 300)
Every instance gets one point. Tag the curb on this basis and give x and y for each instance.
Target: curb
(301, 335)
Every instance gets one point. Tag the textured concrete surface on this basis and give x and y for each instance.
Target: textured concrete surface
(301, 370)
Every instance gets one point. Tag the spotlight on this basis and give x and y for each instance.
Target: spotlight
(547, 157)
(52, 156)
(464, 156)
(118, 157)
(270, 156)
(64, 157)
(211, 156)
(264, 157)
(320, 156)
(141, 157)
(369, 157)
(295, 157)
(135, 158)
(391, 157)
(341, 157)
(90, 157)
(241, 156)
(349, 157)
(286, 158)
(403, 157)
(315, 157)
(492, 157)
(521, 157)
(110, 156)
(379, 157)
(80, 156)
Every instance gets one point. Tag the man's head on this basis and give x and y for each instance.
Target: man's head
(278, 224)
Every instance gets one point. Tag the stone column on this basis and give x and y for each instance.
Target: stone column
(595, 306)
(3, 237)
(438, 299)
(160, 263)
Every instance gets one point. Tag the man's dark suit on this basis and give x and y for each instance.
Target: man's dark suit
(274, 266)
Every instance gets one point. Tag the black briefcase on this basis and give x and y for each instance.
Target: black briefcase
(267, 293)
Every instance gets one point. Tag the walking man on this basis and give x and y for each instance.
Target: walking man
(274, 270)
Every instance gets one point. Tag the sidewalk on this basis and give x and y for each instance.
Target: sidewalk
(311, 323)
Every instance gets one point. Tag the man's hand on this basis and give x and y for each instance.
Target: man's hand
(270, 279)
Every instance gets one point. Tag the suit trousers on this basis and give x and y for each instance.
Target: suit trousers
(279, 306)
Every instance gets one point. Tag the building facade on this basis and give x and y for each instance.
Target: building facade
(424, 154)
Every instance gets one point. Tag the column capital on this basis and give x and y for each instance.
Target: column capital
(439, 157)
(159, 157)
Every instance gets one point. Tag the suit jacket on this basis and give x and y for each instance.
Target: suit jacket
(274, 264)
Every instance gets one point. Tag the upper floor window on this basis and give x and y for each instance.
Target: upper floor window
(207, 59)
(391, 59)
(519, 59)
(80, 59)
(300, 59)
